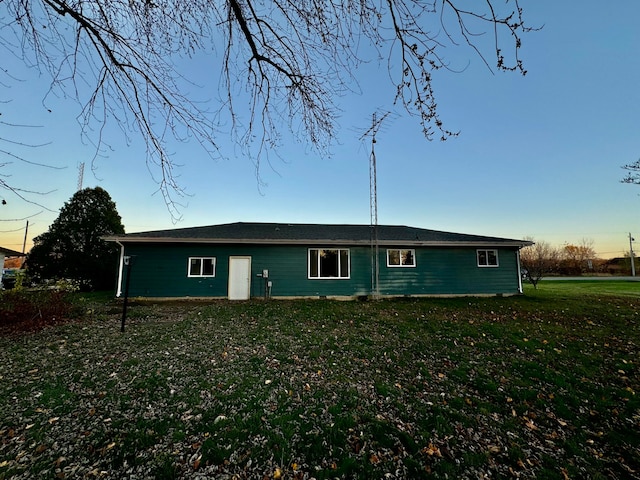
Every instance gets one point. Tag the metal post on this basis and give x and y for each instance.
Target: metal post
(128, 261)
(633, 262)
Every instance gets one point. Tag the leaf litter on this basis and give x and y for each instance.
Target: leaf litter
(480, 388)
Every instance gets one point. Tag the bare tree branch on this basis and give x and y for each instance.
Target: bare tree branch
(294, 58)
(24, 194)
(633, 175)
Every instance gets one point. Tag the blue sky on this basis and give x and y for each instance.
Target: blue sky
(537, 156)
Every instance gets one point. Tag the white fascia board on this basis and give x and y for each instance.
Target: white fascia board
(344, 242)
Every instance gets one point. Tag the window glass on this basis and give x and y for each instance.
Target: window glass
(328, 263)
(202, 267)
(313, 263)
(195, 266)
(407, 257)
(401, 258)
(207, 267)
(344, 263)
(487, 258)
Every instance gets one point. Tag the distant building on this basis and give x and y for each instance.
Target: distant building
(11, 261)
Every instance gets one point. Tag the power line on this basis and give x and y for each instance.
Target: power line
(19, 220)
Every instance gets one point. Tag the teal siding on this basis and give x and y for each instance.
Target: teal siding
(441, 271)
(160, 270)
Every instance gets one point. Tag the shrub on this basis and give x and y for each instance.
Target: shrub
(24, 309)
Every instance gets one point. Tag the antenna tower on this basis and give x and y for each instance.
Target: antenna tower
(80, 175)
(376, 123)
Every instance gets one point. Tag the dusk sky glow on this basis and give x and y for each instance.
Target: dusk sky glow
(538, 155)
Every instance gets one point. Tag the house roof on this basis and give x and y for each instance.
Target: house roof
(11, 253)
(313, 234)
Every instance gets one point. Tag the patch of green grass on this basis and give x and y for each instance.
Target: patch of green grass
(213, 452)
(587, 287)
(54, 395)
(163, 467)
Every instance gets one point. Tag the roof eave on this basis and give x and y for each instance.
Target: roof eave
(11, 253)
(270, 241)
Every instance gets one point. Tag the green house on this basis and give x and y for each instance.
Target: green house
(243, 260)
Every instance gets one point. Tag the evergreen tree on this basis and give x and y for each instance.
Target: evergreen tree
(73, 248)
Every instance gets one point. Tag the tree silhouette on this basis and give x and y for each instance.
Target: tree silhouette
(538, 260)
(72, 247)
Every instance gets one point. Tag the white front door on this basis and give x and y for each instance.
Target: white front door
(239, 278)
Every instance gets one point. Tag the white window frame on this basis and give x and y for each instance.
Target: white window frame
(338, 250)
(201, 259)
(486, 252)
(400, 250)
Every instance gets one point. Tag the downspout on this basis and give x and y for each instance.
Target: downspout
(120, 270)
(520, 290)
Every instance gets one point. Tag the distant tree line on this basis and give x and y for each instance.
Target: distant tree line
(542, 259)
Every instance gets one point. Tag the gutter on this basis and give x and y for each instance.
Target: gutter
(317, 242)
(520, 289)
(120, 268)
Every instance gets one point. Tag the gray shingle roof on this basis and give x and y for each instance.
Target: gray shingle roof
(299, 233)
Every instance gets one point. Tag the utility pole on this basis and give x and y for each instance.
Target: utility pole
(633, 262)
(24, 242)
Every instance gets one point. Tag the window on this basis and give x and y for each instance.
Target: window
(202, 267)
(328, 263)
(401, 258)
(487, 258)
